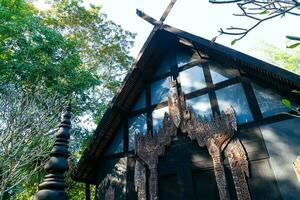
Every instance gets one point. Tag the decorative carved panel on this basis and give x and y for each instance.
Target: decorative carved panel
(176, 105)
(239, 168)
(214, 134)
(110, 193)
(215, 153)
(140, 180)
(150, 146)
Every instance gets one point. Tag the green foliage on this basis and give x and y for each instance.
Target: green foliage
(33, 56)
(293, 106)
(46, 57)
(289, 60)
(103, 47)
(287, 103)
(293, 45)
(293, 38)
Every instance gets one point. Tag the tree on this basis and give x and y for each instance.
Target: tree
(103, 47)
(26, 124)
(46, 58)
(261, 11)
(288, 60)
(39, 68)
(34, 56)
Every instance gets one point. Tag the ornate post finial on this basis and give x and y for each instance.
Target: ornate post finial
(53, 187)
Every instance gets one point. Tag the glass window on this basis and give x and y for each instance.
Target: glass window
(164, 66)
(234, 95)
(220, 73)
(200, 105)
(216, 77)
(185, 57)
(158, 117)
(192, 79)
(268, 101)
(116, 145)
(160, 90)
(137, 125)
(112, 173)
(141, 102)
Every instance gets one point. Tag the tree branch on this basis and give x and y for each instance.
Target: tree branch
(271, 9)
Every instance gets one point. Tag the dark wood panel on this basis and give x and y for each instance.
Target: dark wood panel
(262, 182)
(169, 188)
(205, 186)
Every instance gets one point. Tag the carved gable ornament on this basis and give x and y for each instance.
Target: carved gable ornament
(215, 134)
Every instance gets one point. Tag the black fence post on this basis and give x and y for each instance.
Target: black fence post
(53, 187)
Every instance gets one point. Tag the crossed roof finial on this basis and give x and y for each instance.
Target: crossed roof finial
(153, 21)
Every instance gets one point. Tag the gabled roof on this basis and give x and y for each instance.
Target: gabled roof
(161, 38)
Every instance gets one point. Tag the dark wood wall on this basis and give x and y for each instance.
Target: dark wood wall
(185, 171)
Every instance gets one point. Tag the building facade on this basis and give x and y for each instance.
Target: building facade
(209, 78)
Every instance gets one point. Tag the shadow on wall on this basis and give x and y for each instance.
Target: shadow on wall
(112, 172)
(282, 141)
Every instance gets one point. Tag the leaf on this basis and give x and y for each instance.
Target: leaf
(293, 45)
(286, 103)
(234, 41)
(295, 91)
(291, 37)
(264, 12)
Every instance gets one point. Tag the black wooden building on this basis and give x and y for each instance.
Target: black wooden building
(211, 78)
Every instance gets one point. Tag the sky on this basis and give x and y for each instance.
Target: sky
(200, 18)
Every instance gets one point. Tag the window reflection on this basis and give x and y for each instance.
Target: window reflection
(192, 79)
(185, 57)
(164, 66)
(200, 105)
(268, 101)
(160, 91)
(116, 145)
(234, 95)
(141, 102)
(137, 125)
(220, 73)
(158, 117)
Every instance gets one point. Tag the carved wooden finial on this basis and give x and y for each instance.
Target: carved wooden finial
(153, 21)
(53, 187)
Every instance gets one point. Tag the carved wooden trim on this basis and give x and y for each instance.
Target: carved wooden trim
(140, 180)
(214, 134)
(148, 147)
(176, 105)
(215, 153)
(110, 193)
(239, 168)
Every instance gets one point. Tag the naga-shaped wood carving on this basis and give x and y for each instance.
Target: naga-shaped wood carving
(148, 147)
(110, 193)
(140, 180)
(239, 168)
(214, 134)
